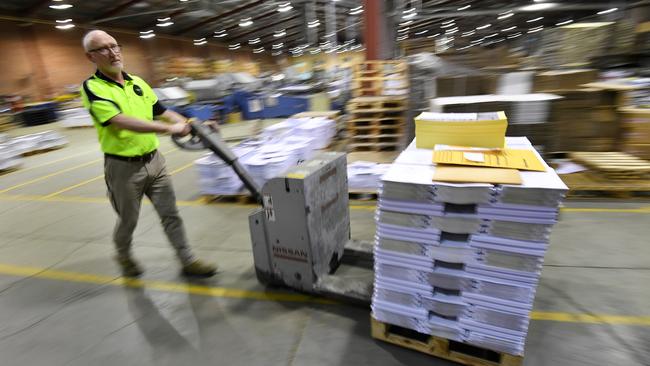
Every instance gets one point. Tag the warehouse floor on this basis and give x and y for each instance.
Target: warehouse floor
(62, 301)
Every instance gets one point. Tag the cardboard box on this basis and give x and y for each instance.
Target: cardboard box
(563, 79)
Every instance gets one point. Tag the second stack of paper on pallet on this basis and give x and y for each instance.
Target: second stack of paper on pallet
(463, 260)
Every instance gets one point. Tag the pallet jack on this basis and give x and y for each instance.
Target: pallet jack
(301, 234)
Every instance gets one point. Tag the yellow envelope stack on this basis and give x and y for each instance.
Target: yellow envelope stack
(461, 129)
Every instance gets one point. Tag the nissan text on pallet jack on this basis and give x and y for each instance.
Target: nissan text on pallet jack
(301, 234)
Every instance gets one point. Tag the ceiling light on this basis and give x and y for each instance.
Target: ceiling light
(509, 29)
(277, 53)
(245, 22)
(220, 35)
(65, 26)
(534, 20)
(464, 7)
(199, 40)
(467, 34)
(433, 35)
(165, 24)
(148, 35)
(492, 35)
(421, 32)
(451, 31)
(448, 21)
(277, 46)
(234, 46)
(315, 52)
(404, 24)
(537, 7)
(514, 35)
(403, 30)
(284, 7)
(534, 30)
(484, 26)
(254, 41)
(258, 50)
(505, 16)
(607, 11)
(280, 33)
(200, 43)
(447, 25)
(147, 32)
(409, 15)
(164, 19)
(406, 36)
(64, 21)
(588, 25)
(60, 6)
(564, 22)
(313, 24)
(357, 10)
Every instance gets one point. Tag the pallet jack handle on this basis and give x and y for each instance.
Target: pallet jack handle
(205, 136)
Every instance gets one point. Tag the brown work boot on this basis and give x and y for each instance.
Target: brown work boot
(129, 267)
(199, 268)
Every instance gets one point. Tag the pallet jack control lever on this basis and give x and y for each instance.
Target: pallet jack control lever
(204, 135)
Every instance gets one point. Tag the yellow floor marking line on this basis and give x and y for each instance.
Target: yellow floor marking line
(88, 181)
(21, 170)
(181, 168)
(50, 175)
(179, 287)
(223, 292)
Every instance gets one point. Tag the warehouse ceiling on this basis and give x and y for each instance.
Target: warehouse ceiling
(265, 24)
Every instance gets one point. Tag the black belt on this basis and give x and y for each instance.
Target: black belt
(146, 157)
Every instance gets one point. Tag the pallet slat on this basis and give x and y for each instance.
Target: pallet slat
(442, 348)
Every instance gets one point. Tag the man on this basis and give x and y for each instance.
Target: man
(123, 108)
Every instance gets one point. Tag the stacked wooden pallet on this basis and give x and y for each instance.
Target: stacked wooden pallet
(377, 78)
(614, 165)
(376, 123)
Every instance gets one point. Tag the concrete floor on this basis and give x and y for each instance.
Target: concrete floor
(62, 301)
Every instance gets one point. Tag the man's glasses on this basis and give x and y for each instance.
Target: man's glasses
(105, 51)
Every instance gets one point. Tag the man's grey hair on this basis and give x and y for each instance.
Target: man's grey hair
(85, 41)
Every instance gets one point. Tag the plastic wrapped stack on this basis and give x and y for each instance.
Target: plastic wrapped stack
(36, 142)
(280, 147)
(462, 261)
(75, 117)
(365, 175)
(10, 157)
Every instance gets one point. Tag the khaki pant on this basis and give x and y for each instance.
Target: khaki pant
(127, 182)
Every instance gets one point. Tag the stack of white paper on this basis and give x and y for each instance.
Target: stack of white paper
(462, 261)
(365, 175)
(280, 147)
(10, 157)
(75, 117)
(35, 142)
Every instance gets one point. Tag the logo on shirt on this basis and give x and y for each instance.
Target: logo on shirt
(137, 89)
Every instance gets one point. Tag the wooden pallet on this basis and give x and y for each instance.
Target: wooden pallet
(441, 347)
(614, 165)
(42, 151)
(374, 146)
(591, 184)
(374, 103)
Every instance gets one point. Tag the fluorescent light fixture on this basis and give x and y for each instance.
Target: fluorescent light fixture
(199, 40)
(449, 21)
(245, 22)
(164, 24)
(315, 52)
(433, 35)
(421, 32)
(588, 25)
(234, 46)
(65, 26)
(464, 7)
(564, 22)
(403, 30)
(164, 19)
(492, 35)
(409, 15)
(402, 37)
(357, 10)
(254, 41)
(505, 16)
(515, 35)
(147, 36)
(404, 24)
(277, 46)
(64, 21)
(60, 6)
(483, 26)
(201, 43)
(280, 33)
(508, 29)
(284, 7)
(277, 53)
(535, 30)
(467, 34)
(333, 34)
(258, 50)
(537, 7)
(313, 24)
(534, 20)
(447, 25)
(607, 11)
(147, 32)
(451, 31)
(220, 35)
